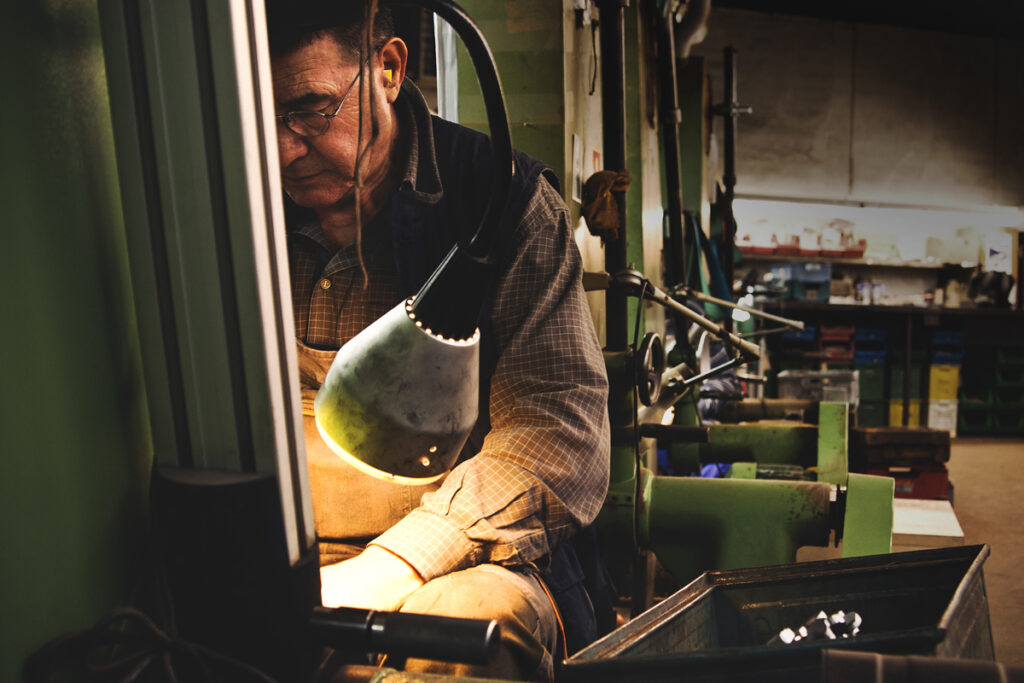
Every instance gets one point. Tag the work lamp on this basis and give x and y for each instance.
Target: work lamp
(401, 397)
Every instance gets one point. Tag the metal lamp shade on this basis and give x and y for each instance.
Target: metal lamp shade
(399, 401)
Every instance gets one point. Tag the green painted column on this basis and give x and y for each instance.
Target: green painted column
(644, 201)
(75, 448)
(693, 131)
(868, 521)
(833, 437)
(636, 122)
(525, 37)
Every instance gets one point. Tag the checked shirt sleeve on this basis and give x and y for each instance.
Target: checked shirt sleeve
(543, 468)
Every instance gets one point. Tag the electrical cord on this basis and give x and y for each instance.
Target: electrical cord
(126, 646)
(366, 48)
(636, 420)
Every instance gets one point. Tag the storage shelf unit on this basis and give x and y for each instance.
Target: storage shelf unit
(844, 261)
(990, 400)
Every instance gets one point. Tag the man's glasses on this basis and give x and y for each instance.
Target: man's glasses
(310, 124)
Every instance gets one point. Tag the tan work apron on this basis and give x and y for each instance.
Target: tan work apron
(350, 508)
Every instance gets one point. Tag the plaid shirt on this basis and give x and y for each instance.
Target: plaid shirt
(543, 468)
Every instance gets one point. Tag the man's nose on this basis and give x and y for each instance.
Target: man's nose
(290, 146)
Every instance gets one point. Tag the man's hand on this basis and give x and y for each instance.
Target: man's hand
(374, 579)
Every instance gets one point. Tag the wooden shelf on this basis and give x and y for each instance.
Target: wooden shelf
(862, 262)
(777, 306)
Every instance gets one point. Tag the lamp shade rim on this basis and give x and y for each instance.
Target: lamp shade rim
(400, 400)
(369, 469)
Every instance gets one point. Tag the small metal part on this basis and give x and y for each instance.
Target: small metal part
(822, 627)
(845, 624)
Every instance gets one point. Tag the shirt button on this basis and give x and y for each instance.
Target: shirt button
(325, 283)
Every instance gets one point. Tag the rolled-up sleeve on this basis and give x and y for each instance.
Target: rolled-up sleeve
(543, 469)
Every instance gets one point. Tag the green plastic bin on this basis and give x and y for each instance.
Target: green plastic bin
(872, 414)
(871, 382)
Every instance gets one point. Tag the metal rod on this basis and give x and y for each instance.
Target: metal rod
(631, 281)
(668, 109)
(706, 298)
(907, 365)
(613, 105)
(729, 109)
(746, 348)
(763, 333)
(729, 174)
(718, 369)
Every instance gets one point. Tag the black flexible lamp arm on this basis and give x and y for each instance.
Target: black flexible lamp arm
(449, 303)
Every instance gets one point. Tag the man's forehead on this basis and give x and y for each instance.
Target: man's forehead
(317, 67)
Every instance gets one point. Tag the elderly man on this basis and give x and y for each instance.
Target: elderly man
(492, 539)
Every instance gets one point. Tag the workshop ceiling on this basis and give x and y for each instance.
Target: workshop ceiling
(994, 18)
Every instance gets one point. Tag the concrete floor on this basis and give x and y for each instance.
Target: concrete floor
(988, 477)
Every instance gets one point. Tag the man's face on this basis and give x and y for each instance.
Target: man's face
(318, 172)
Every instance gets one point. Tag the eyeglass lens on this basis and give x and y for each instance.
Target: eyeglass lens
(308, 123)
(311, 123)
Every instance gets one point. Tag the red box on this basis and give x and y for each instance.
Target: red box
(837, 333)
(855, 249)
(749, 249)
(917, 482)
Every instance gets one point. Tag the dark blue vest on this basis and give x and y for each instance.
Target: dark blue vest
(423, 233)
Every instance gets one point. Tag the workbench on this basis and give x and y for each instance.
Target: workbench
(920, 524)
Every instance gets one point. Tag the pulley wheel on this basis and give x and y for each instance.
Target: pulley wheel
(649, 369)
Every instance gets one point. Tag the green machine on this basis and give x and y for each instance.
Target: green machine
(788, 486)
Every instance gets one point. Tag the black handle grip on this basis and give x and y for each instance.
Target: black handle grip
(447, 639)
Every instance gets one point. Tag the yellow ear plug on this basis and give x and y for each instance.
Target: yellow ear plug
(387, 73)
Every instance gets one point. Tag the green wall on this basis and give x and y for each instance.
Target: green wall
(525, 37)
(74, 450)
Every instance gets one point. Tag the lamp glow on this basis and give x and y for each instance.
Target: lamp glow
(366, 469)
(399, 402)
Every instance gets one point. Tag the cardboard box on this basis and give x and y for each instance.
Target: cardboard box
(943, 415)
(926, 481)
(918, 524)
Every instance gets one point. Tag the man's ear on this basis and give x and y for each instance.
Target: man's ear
(394, 56)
